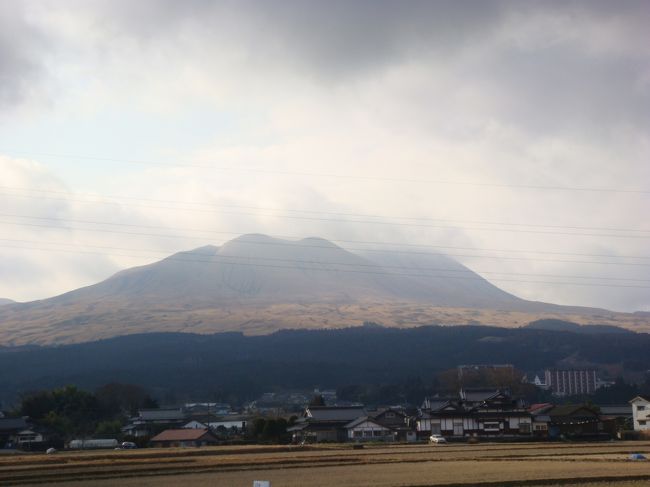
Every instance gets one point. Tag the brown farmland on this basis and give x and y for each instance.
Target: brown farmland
(340, 465)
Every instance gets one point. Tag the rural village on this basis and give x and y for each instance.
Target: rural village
(470, 414)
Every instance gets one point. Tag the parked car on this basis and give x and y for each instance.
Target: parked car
(437, 439)
(128, 445)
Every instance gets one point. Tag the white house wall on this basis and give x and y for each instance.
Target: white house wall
(641, 415)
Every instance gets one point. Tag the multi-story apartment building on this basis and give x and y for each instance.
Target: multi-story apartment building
(569, 382)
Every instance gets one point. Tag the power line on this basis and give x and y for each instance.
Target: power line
(211, 208)
(172, 236)
(273, 266)
(511, 230)
(339, 176)
(347, 264)
(355, 241)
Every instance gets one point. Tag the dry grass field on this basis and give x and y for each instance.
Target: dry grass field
(106, 319)
(592, 464)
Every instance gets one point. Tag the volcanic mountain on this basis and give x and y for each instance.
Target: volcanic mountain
(259, 284)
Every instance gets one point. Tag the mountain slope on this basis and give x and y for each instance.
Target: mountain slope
(4, 301)
(264, 269)
(251, 267)
(258, 284)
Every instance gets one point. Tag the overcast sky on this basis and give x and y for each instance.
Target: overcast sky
(494, 131)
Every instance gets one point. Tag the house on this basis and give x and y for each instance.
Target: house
(148, 422)
(27, 437)
(206, 408)
(574, 421)
(474, 413)
(325, 423)
(398, 420)
(618, 417)
(185, 437)
(540, 419)
(366, 428)
(641, 413)
(231, 423)
(9, 429)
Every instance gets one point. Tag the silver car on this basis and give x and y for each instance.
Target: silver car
(437, 439)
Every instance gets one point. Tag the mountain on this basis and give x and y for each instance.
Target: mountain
(264, 269)
(4, 301)
(258, 284)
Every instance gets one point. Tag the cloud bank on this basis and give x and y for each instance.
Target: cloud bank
(256, 113)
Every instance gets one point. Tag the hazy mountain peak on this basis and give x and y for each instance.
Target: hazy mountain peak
(252, 237)
(318, 242)
(4, 301)
(205, 251)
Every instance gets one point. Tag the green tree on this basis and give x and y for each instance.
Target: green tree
(109, 429)
(317, 400)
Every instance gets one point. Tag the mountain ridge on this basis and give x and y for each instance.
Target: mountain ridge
(258, 284)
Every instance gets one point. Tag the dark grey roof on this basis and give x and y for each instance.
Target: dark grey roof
(13, 424)
(643, 398)
(478, 395)
(616, 410)
(571, 410)
(161, 415)
(382, 411)
(363, 419)
(438, 405)
(327, 413)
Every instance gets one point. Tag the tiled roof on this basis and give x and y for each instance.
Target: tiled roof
(363, 419)
(11, 424)
(613, 410)
(326, 413)
(569, 409)
(478, 394)
(186, 434)
(640, 397)
(161, 415)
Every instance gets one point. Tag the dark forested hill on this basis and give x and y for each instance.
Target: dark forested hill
(202, 366)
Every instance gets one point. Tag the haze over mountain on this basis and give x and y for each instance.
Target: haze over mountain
(265, 269)
(4, 301)
(258, 284)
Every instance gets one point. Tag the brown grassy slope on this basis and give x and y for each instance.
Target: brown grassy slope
(76, 323)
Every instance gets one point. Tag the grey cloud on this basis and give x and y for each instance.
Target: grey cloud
(327, 39)
(572, 83)
(21, 55)
(560, 91)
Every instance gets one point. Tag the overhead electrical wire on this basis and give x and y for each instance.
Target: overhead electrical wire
(336, 176)
(416, 225)
(373, 265)
(174, 236)
(357, 241)
(177, 257)
(213, 208)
